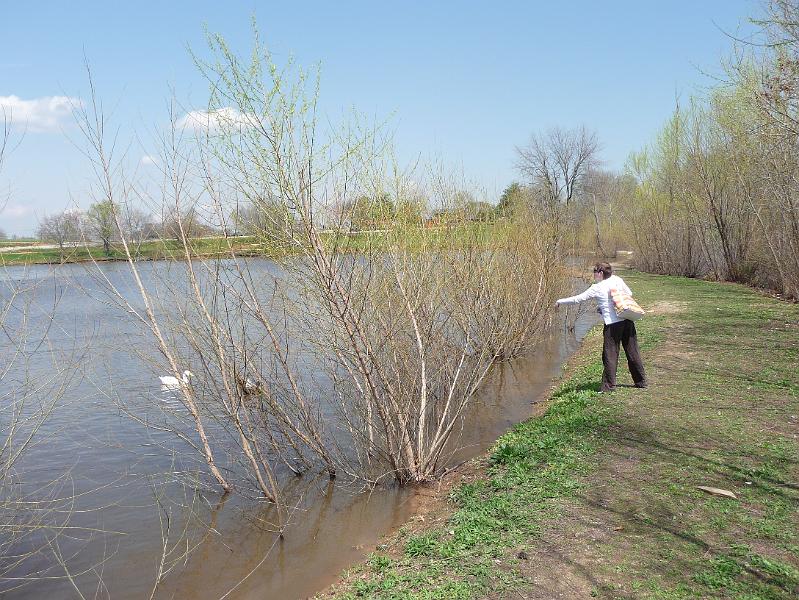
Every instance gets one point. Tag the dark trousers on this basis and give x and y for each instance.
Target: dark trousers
(622, 333)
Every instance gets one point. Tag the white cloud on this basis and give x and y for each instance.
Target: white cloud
(148, 160)
(47, 113)
(15, 211)
(215, 120)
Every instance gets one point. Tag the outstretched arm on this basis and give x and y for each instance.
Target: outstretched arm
(591, 292)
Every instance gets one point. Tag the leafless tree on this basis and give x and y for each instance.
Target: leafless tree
(262, 218)
(555, 162)
(188, 221)
(777, 92)
(62, 228)
(137, 224)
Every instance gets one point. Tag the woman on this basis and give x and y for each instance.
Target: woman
(616, 331)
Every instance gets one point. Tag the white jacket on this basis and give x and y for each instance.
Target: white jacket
(601, 291)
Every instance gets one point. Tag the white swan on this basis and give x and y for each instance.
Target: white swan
(168, 382)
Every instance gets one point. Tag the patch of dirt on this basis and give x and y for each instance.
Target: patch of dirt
(665, 307)
(678, 356)
(571, 559)
(566, 560)
(623, 259)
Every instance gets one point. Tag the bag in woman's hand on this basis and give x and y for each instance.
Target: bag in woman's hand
(626, 307)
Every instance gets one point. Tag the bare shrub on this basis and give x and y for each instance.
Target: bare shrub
(355, 351)
(409, 319)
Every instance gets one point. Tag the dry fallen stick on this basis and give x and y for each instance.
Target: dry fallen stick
(717, 491)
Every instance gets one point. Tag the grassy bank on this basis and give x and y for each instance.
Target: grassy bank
(33, 252)
(37, 253)
(598, 497)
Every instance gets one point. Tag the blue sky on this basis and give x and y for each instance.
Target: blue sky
(465, 82)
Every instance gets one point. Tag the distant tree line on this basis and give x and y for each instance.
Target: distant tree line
(71, 228)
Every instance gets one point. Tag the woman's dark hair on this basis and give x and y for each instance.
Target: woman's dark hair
(603, 268)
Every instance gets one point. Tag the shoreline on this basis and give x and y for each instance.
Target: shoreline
(600, 495)
(432, 504)
(429, 502)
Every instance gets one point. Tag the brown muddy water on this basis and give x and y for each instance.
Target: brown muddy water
(126, 495)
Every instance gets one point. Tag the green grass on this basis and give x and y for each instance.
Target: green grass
(20, 242)
(413, 238)
(723, 410)
(150, 250)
